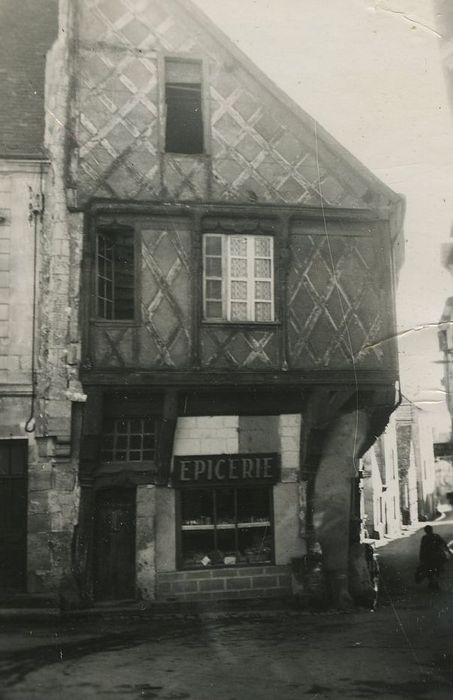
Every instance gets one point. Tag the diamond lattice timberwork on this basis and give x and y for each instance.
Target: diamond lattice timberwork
(337, 306)
(166, 297)
(163, 339)
(239, 348)
(258, 149)
(113, 347)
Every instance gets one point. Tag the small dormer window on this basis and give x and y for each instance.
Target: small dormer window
(183, 97)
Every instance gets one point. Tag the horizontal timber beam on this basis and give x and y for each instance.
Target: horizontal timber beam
(99, 206)
(176, 378)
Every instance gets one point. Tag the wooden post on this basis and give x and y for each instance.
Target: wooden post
(166, 436)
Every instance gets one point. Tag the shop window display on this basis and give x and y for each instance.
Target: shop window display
(226, 526)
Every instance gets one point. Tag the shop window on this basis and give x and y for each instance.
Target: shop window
(115, 274)
(129, 440)
(183, 98)
(226, 527)
(238, 278)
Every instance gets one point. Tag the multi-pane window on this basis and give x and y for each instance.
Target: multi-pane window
(115, 274)
(238, 278)
(226, 526)
(129, 440)
(183, 99)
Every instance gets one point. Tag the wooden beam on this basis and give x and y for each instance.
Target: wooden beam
(131, 207)
(208, 378)
(165, 437)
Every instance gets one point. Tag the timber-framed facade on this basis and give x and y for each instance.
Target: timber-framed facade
(231, 347)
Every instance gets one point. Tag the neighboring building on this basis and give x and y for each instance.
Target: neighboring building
(29, 481)
(416, 449)
(445, 333)
(443, 10)
(238, 270)
(381, 486)
(443, 453)
(407, 470)
(402, 480)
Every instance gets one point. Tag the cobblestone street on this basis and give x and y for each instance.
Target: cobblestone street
(403, 650)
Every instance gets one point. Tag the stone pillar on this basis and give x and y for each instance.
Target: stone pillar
(332, 499)
(145, 542)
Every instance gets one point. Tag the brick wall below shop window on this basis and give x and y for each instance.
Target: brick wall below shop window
(222, 584)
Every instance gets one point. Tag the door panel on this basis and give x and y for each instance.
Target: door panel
(114, 551)
(13, 514)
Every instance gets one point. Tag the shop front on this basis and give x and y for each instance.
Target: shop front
(225, 510)
(236, 528)
(225, 523)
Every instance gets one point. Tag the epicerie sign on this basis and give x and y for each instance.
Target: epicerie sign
(195, 469)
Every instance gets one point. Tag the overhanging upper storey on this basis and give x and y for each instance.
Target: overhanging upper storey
(260, 290)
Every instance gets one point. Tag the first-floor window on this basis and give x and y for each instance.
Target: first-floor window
(226, 526)
(238, 278)
(115, 274)
(128, 440)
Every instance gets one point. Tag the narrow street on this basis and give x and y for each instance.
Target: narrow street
(403, 650)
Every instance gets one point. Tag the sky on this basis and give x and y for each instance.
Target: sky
(370, 73)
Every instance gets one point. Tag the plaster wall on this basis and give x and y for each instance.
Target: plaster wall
(206, 435)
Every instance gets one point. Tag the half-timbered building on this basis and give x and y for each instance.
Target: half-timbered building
(237, 319)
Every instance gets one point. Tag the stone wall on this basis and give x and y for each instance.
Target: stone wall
(20, 182)
(52, 513)
(145, 541)
(53, 463)
(221, 584)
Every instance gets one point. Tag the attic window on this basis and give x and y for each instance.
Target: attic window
(184, 123)
(115, 273)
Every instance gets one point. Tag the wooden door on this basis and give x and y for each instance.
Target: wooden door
(13, 514)
(114, 551)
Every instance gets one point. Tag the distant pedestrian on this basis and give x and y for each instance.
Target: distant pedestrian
(434, 552)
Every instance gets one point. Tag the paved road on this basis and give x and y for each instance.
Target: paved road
(403, 650)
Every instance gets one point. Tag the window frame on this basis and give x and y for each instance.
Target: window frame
(138, 465)
(205, 103)
(180, 566)
(103, 229)
(251, 279)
